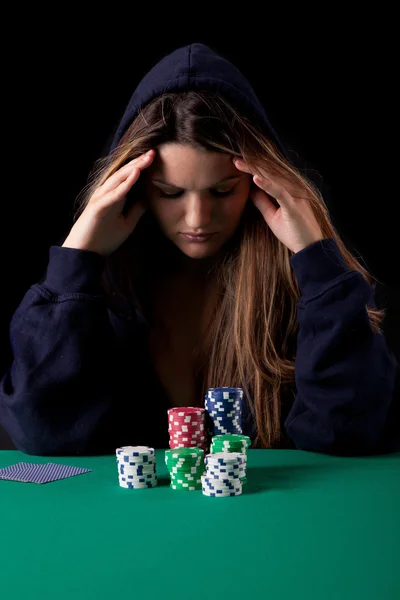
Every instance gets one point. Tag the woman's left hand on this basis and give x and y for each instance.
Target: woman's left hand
(294, 222)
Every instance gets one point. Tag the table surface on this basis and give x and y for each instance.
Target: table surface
(307, 526)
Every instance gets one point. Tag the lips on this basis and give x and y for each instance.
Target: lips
(197, 237)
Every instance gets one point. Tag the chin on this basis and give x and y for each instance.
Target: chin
(199, 250)
(198, 253)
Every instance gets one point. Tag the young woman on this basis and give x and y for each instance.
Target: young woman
(200, 256)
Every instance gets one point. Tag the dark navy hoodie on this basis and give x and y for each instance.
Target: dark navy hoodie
(80, 381)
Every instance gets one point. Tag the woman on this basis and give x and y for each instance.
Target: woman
(187, 268)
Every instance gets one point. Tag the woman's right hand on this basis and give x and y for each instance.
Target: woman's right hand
(102, 227)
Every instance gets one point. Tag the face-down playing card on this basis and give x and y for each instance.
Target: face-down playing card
(13, 472)
(40, 473)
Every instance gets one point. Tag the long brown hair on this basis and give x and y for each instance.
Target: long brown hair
(253, 327)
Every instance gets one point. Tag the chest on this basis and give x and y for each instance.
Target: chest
(181, 315)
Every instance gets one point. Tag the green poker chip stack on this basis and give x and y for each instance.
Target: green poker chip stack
(231, 442)
(185, 466)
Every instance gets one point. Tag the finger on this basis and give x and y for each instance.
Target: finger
(242, 166)
(120, 190)
(273, 189)
(126, 171)
(264, 204)
(123, 188)
(135, 213)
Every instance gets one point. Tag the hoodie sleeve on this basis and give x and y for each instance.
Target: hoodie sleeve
(52, 398)
(346, 377)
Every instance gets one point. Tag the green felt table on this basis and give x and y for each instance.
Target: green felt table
(307, 526)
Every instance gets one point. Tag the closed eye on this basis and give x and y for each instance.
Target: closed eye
(214, 192)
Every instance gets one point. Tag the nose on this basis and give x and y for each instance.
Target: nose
(198, 212)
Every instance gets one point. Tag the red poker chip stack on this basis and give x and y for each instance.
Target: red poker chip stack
(186, 426)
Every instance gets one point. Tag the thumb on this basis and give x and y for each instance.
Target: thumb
(264, 204)
(136, 211)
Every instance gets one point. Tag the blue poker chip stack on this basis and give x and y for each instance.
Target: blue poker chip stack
(224, 410)
(136, 467)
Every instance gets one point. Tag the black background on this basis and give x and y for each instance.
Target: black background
(327, 82)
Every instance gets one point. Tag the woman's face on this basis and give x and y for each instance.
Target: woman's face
(196, 192)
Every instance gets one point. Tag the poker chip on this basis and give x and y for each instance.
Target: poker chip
(136, 467)
(224, 410)
(185, 466)
(186, 427)
(223, 474)
(232, 444)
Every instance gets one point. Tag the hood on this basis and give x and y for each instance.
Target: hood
(197, 67)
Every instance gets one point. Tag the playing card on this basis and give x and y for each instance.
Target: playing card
(14, 471)
(39, 473)
(50, 472)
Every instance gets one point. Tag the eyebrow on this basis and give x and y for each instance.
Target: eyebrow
(229, 178)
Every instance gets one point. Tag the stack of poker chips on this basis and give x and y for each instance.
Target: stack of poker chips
(232, 443)
(186, 426)
(136, 467)
(185, 466)
(224, 410)
(222, 478)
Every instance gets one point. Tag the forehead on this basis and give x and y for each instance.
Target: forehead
(187, 167)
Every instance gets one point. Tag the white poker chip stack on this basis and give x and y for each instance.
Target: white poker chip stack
(223, 475)
(136, 467)
(232, 443)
